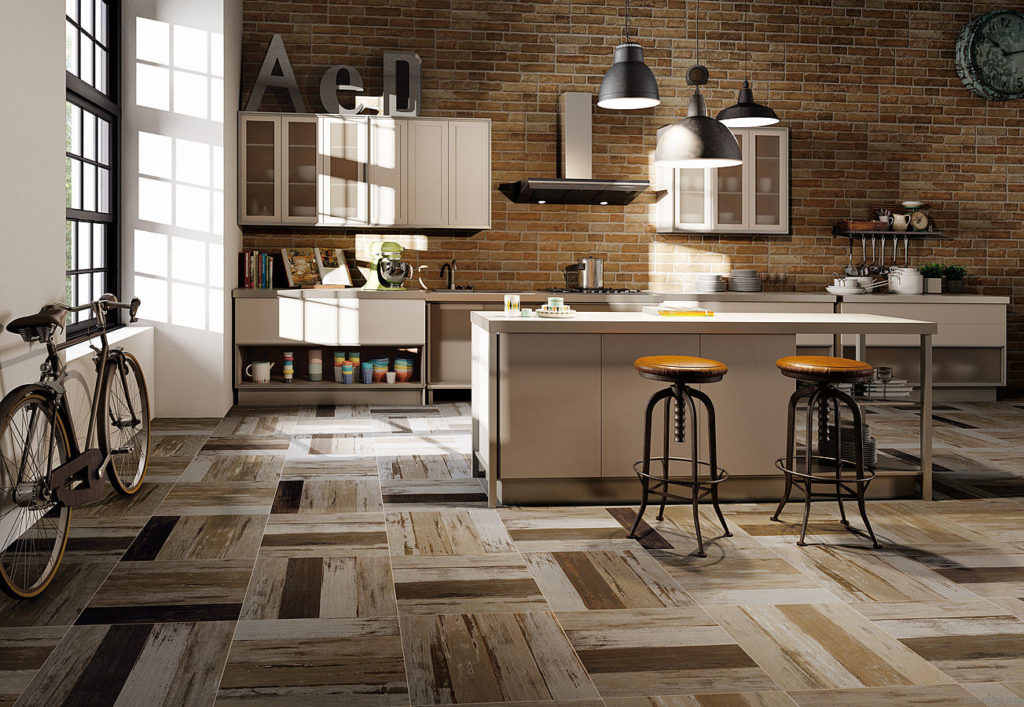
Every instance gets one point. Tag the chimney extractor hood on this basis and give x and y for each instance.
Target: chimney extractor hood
(575, 186)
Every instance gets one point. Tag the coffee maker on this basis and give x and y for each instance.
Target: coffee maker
(387, 269)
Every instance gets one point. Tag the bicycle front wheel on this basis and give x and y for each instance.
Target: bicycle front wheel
(33, 529)
(123, 431)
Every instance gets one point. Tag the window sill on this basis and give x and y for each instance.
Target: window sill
(118, 336)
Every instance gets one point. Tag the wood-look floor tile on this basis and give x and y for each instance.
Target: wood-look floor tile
(604, 579)
(325, 536)
(142, 504)
(207, 498)
(166, 469)
(886, 696)
(259, 444)
(330, 446)
(185, 425)
(720, 699)
(420, 467)
(464, 584)
(253, 425)
(565, 529)
(457, 658)
(219, 467)
(171, 663)
(447, 532)
(969, 641)
(161, 592)
(103, 539)
(738, 578)
(433, 494)
(23, 650)
(997, 693)
(640, 652)
(70, 591)
(175, 446)
(859, 574)
(198, 538)
(316, 661)
(328, 468)
(320, 587)
(443, 444)
(823, 646)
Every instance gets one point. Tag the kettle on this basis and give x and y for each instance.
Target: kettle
(591, 273)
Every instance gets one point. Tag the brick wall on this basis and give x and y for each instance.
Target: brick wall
(868, 89)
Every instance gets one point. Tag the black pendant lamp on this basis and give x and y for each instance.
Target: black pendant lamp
(628, 84)
(746, 112)
(697, 141)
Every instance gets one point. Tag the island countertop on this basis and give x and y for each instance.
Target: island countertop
(719, 323)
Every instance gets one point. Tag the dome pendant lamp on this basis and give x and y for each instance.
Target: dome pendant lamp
(746, 112)
(628, 84)
(697, 141)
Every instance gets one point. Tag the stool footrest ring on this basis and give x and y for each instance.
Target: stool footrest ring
(659, 477)
(824, 476)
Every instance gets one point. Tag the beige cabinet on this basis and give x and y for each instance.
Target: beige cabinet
(752, 197)
(469, 174)
(278, 167)
(259, 183)
(364, 171)
(387, 172)
(427, 168)
(343, 152)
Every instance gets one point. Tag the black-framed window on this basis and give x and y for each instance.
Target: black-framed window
(92, 152)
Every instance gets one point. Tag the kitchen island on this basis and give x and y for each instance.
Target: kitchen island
(557, 404)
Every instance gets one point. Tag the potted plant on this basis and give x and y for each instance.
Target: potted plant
(955, 275)
(932, 274)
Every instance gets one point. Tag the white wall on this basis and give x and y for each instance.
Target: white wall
(180, 68)
(31, 175)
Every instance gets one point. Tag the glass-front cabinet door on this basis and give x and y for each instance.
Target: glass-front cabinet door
(769, 180)
(260, 200)
(692, 188)
(298, 169)
(731, 208)
(344, 153)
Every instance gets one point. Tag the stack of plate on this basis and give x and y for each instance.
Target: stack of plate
(870, 444)
(708, 282)
(744, 281)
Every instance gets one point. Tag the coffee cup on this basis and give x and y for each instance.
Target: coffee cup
(512, 305)
(259, 371)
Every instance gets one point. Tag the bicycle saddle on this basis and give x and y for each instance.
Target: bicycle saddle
(38, 326)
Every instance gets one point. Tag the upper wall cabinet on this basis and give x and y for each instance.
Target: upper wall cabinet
(365, 171)
(751, 198)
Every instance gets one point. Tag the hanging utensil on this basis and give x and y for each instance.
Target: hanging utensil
(873, 268)
(906, 251)
(851, 270)
(882, 270)
(863, 257)
(895, 250)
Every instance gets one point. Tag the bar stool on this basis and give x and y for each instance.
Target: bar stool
(824, 400)
(681, 372)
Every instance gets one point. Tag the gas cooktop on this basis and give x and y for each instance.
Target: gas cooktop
(594, 290)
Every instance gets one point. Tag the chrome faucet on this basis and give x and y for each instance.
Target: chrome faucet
(449, 270)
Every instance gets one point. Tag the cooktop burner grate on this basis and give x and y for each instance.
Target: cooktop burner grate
(593, 290)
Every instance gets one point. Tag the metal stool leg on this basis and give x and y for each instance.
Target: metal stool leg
(684, 394)
(839, 461)
(669, 403)
(713, 456)
(812, 406)
(794, 399)
(862, 484)
(644, 479)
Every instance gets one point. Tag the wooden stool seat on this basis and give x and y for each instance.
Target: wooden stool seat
(825, 369)
(680, 369)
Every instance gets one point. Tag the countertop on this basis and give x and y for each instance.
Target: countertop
(720, 323)
(646, 297)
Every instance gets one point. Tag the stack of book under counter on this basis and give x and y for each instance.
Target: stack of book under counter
(257, 269)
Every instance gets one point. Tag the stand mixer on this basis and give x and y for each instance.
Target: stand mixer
(387, 269)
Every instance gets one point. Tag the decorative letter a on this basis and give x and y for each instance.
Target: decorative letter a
(276, 56)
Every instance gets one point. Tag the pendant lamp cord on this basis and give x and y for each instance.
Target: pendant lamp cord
(625, 29)
(698, 32)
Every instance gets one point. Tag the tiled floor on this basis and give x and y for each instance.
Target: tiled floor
(345, 556)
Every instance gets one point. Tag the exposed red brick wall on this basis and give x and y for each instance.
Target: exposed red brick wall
(868, 89)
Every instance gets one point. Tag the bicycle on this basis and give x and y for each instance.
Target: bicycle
(43, 470)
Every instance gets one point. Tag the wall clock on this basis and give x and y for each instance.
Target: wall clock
(990, 55)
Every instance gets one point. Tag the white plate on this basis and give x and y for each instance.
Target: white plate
(552, 315)
(844, 290)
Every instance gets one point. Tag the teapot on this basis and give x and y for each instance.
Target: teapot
(899, 222)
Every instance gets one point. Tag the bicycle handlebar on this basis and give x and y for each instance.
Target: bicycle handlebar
(107, 302)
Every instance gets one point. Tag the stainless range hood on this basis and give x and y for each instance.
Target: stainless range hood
(575, 186)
